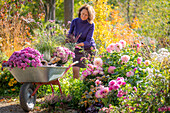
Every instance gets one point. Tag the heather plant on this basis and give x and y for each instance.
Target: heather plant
(59, 100)
(72, 90)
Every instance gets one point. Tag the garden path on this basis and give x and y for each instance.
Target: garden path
(9, 105)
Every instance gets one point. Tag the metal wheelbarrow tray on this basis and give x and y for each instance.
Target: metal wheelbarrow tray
(38, 74)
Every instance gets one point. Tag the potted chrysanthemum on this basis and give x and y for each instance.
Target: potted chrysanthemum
(24, 58)
(63, 54)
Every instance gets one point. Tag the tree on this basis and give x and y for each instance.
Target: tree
(68, 10)
(49, 10)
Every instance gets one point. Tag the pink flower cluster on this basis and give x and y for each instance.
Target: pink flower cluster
(97, 82)
(94, 69)
(116, 46)
(125, 58)
(63, 53)
(165, 108)
(111, 69)
(146, 62)
(27, 57)
(102, 92)
(130, 73)
(139, 60)
(106, 110)
(115, 84)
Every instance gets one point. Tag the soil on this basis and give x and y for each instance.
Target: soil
(8, 105)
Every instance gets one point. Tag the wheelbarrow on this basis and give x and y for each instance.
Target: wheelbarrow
(37, 76)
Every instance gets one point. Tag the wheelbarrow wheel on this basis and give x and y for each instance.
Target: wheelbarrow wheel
(27, 101)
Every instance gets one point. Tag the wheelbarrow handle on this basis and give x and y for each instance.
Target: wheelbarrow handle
(73, 64)
(69, 68)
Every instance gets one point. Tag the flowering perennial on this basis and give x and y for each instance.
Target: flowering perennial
(27, 57)
(64, 54)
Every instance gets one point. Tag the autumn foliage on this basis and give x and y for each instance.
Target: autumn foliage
(14, 31)
(110, 27)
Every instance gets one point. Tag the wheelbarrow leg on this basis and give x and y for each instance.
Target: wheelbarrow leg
(59, 87)
(36, 89)
(52, 89)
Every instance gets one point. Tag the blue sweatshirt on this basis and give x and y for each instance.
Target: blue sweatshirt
(86, 30)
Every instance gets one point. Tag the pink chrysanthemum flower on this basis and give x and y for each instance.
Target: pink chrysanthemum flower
(112, 82)
(95, 72)
(111, 69)
(97, 82)
(120, 82)
(120, 93)
(112, 46)
(130, 73)
(118, 47)
(116, 86)
(123, 43)
(104, 92)
(98, 94)
(98, 62)
(138, 45)
(135, 69)
(123, 83)
(110, 88)
(85, 73)
(147, 62)
(108, 49)
(120, 78)
(135, 88)
(125, 58)
(139, 60)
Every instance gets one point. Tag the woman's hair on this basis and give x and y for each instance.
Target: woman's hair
(90, 10)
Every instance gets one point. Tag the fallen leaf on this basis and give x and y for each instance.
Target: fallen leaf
(1, 100)
(9, 101)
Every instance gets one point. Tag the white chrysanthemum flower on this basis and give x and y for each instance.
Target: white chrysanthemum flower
(98, 62)
(149, 70)
(154, 55)
(162, 50)
(159, 59)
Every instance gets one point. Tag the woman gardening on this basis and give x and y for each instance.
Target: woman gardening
(83, 25)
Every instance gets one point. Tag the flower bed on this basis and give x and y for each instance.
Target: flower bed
(123, 81)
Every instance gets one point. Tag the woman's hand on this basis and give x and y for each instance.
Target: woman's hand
(80, 44)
